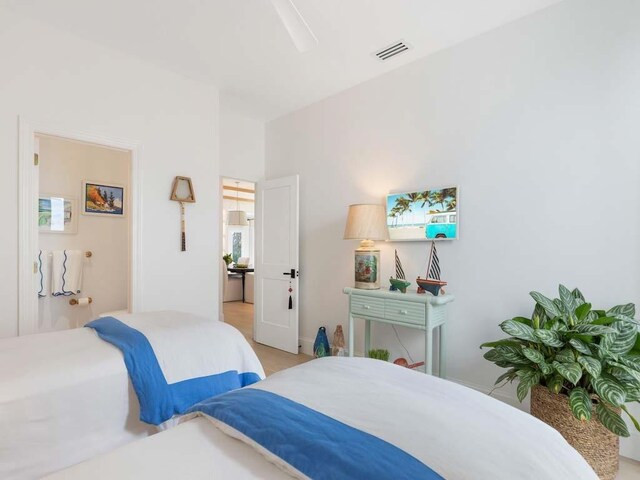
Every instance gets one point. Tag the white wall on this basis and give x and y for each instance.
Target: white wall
(52, 77)
(536, 122)
(241, 140)
(64, 165)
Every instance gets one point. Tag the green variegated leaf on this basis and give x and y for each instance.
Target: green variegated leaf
(506, 341)
(539, 311)
(591, 365)
(632, 393)
(538, 358)
(519, 330)
(631, 360)
(580, 403)
(565, 356)
(527, 380)
(512, 354)
(549, 338)
(534, 355)
(525, 320)
(550, 308)
(566, 299)
(604, 321)
(611, 420)
(570, 371)
(582, 311)
(577, 294)
(590, 329)
(492, 355)
(635, 374)
(628, 310)
(625, 339)
(555, 383)
(580, 346)
(545, 368)
(609, 389)
(633, 419)
(509, 375)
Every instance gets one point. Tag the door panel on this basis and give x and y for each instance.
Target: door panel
(277, 234)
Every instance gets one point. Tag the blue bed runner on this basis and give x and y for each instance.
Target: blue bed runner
(159, 401)
(316, 445)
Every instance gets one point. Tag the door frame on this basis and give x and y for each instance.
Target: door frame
(28, 191)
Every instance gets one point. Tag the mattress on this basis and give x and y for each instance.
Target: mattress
(66, 396)
(457, 432)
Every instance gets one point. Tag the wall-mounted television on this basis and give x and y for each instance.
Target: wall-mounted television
(430, 214)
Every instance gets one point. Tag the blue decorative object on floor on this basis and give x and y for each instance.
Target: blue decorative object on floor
(321, 345)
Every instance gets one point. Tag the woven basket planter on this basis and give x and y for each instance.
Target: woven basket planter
(591, 439)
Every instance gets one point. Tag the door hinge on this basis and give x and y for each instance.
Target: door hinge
(36, 159)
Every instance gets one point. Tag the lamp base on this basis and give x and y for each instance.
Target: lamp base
(367, 266)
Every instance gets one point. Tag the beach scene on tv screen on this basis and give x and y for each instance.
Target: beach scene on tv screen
(425, 215)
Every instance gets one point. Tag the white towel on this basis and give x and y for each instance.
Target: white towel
(66, 272)
(44, 272)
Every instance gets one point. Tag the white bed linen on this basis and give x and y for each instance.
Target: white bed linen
(458, 432)
(66, 396)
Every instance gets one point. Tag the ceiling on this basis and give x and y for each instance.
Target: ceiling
(242, 47)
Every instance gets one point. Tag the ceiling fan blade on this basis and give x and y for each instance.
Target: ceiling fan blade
(294, 22)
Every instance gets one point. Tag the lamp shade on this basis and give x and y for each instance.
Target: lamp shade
(366, 222)
(237, 217)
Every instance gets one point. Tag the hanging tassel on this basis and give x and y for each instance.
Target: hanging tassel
(290, 303)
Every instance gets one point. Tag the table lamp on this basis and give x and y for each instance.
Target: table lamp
(367, 223)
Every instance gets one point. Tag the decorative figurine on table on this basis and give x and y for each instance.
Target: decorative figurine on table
(321, 345)
(432, 283)
(400, 282)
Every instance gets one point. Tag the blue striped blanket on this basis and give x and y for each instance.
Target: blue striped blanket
(203, 359)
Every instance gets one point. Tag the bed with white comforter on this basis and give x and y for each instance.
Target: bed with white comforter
(66, 396)
(455, 432)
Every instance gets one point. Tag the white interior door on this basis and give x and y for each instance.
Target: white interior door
(276, 319)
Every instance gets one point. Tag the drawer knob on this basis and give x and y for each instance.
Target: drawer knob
(403, 312)
(366, 307)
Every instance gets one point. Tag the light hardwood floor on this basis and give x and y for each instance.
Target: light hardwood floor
(240, 315)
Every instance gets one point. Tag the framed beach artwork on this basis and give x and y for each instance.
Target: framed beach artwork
(104, 199)
(423, 215)
(57, 214)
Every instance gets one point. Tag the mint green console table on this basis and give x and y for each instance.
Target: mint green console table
(420, 311)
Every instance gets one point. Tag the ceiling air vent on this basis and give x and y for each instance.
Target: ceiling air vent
(392, 50)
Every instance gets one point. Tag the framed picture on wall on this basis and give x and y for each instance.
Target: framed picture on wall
(429, 214)
(57, 214)
(103, 199)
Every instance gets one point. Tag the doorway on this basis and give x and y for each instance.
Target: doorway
(83, 232)
(238, 247)
(54, 217)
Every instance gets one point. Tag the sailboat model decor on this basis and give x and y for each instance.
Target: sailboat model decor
(400, 282)
(432, 283)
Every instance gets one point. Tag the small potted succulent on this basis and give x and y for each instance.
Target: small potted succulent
(582, 366)
(228, 259)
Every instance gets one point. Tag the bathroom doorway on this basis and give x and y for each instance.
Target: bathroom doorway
(79, 204)
(83, 232)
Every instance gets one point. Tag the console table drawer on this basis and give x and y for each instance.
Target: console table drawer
(367, 306)
(406, 312)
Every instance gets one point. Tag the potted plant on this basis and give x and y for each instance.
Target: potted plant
(227, 259)
(582, 366)
(379, 354)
